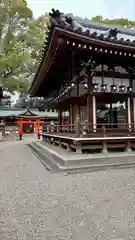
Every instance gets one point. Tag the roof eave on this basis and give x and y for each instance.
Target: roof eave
(44, 66)
(74, 36)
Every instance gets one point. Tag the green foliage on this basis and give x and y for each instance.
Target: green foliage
(70, 14)
(35, 36)
(22, 38)
(14, 55)
(97, 19)
(116, 22)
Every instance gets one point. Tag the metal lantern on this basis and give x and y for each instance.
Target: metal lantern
(85, 85)
(72, 85)
(129, 89)
(121, 89)
(104, 88)
(66, 90)
(69, 87)
(95, 87)
(113, 88)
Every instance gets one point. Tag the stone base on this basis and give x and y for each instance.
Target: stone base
(56, 159)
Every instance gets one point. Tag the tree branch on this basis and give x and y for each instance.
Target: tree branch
(6, 73)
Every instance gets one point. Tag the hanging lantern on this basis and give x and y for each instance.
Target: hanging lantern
(129, 90)
(69, 87)
(114, 88)
(86, 85)
(66, 90)
(95, 87)
(103, 87)
(72, 85)
(121, 89)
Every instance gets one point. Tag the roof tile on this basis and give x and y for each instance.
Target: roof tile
(93, 29)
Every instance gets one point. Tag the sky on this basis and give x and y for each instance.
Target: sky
(86, 8)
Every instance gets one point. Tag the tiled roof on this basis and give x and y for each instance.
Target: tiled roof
(123, 37)
(10, 113)
(46, 114)
(93, 30)
(14, 112)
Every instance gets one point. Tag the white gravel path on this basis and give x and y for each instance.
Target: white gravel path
(37, 205)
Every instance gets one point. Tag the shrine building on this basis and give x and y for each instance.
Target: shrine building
(11, 118)
(88, 69)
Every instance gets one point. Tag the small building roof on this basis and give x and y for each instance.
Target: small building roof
(16, 112)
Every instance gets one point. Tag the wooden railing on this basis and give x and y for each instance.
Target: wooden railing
(60, 129)
(98, 129)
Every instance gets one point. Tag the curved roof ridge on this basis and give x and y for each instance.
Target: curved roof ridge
(103, 26)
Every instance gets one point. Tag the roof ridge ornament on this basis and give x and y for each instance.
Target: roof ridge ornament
(113, 33)
(60, 19)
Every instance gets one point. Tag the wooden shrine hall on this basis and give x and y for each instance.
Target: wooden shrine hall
(88, 69)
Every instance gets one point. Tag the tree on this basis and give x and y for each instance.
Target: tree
(6, 102)
(116, 21)
(97, 19)
(35, 35)
(14, 55)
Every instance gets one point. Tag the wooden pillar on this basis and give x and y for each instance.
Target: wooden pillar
(90, 103)
(77, 120)
(71, 114)
(38, 128)
(78, 93)
(62, 123)
(129, 113)
(94, 113)
(68, 110)
(111, 114)
(90, 111)
(21, 128)
(35, 126)
(38, 125)
(130, 106)
(71, 117)
(132, 112)
(77, 125)
(59, 120)
(59, 117)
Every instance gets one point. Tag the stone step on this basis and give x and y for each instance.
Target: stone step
(56, 162)
(49, 164)
(51, 155)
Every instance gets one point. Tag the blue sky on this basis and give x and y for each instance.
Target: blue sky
(86, 8)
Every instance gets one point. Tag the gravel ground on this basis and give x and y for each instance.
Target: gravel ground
(37, 205)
